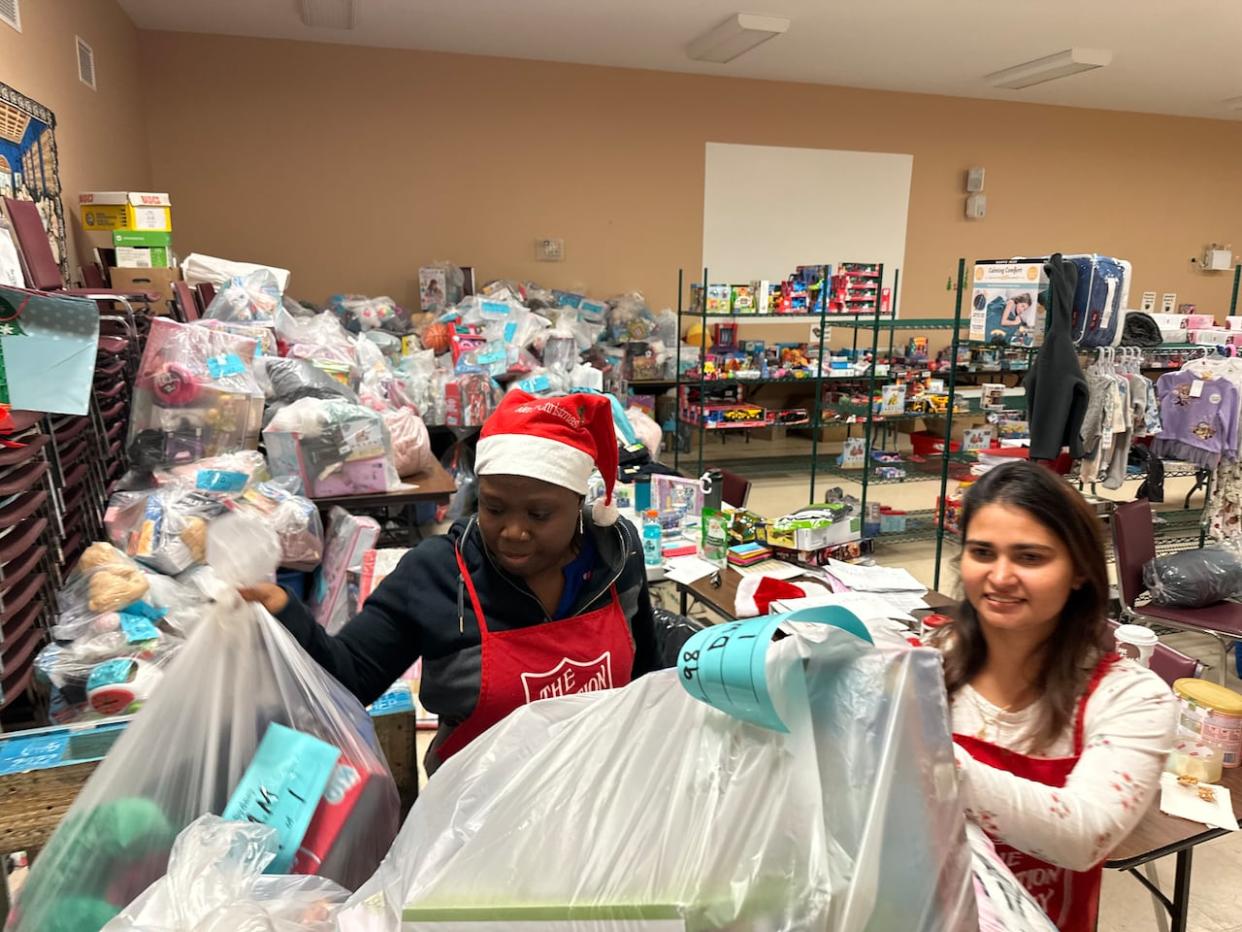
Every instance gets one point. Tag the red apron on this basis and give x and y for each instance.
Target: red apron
(1070, 898)
(581, 654)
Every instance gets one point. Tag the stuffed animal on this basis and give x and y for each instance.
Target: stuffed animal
(114, 586)
(99, 554)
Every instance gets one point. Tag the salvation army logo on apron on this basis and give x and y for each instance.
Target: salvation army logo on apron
(570, 677)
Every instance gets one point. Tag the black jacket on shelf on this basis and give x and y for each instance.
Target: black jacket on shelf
(1056, 389)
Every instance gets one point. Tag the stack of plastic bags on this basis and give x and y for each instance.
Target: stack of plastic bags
(245, 726)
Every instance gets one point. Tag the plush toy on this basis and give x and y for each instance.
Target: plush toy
(114, 586)
(195, 538)
(99, 554)
(121, 686)
(174, 385)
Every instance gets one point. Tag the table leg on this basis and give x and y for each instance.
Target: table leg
(1181, 890)
(685, 600)
(1162, 914)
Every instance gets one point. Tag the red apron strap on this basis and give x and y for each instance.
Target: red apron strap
(474, 596)
(1101, 670)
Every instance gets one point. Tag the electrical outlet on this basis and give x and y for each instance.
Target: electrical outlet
(549, 250)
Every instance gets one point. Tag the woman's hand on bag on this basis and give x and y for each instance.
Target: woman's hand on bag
(271, 596)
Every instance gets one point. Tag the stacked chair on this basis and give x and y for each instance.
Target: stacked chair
(56, 474)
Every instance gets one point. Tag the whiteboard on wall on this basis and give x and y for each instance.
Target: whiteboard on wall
(768, 209)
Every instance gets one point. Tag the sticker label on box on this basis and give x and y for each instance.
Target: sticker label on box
(219, 367)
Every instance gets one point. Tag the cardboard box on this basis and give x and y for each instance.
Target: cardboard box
(1233, 323)
(159, 281)
(134, 257)
(1008, 304)
(141, 239)
(120, 210)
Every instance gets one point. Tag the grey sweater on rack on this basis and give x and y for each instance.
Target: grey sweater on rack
(1056, 390)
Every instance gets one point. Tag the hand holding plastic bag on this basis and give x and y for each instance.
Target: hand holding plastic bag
(242, 709)
(215, 883)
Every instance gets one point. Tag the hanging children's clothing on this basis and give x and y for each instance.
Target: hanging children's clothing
(1199, 417)
(1224, 511)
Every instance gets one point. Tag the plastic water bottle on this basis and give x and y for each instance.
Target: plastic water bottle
(653, 539)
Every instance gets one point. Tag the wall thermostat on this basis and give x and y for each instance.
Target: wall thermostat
(976, 207)
(974, 180)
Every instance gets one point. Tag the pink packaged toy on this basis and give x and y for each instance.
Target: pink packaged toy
(334, 446)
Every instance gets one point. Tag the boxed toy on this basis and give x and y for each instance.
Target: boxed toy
(1008, 304)
(349, 538)
(766, 296)
(743, 300)
(718, 299)
(467, 400)
(1233, 323)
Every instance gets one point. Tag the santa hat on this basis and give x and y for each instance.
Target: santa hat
(755, 594)
(559, 440)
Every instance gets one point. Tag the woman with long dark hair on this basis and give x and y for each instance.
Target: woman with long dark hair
(1060, 743)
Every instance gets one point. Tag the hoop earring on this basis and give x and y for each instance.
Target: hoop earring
(581, 524)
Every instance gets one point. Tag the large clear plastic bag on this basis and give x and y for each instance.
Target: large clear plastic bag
(199, 269)
(334, 447)
(648, 801)
(224, 475)
(411, 444)
(647, 430)
(1194, 578)
(215, 883)
(248, 298)
(361, 313)
(165, 528)
(195, 396)
(295, 520)
(319, 337)
(241, 709)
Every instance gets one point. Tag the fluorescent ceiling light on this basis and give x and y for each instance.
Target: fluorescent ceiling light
(327, 14)
(736, 36)
(1050, 68)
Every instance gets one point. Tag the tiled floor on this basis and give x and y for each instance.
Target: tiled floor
(1125, 906)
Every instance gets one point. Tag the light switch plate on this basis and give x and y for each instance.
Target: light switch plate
(549, 250)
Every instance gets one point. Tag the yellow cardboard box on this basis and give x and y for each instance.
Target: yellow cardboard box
(125, 210)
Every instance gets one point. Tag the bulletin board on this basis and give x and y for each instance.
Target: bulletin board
(767, 209)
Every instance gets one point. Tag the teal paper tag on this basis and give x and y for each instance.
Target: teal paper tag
(143, 610)
(510, 331)
(110, 673)
(138, 629)
(495, 309)
(282, 787)
(535, 384)
(225, 365)
(220, 480)
(491, 357)
(726, 665)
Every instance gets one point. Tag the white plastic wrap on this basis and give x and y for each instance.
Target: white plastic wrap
(198, 269)
(215, 883)
(253, 297)
(245, 725)
(648, 431)
(165, 528)
(411, 444)
(645, 803)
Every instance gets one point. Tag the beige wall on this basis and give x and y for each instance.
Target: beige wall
(101, 135)
(352, 166)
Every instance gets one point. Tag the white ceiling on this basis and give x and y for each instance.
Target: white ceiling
(1170, 56)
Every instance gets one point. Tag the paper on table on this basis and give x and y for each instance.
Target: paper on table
(866, 605)
(875, 578)
(1184, 803)
(686, 570)
(777, 569)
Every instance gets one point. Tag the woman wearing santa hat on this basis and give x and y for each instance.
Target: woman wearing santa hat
(535, 596)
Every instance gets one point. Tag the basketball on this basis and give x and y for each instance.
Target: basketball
(438, 337)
